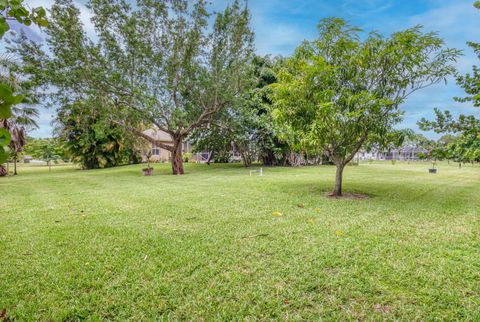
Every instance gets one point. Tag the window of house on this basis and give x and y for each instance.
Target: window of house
(155, 149)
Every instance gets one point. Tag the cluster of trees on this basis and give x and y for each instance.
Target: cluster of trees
(178, 67)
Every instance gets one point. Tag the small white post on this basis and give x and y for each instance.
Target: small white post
(261, 172)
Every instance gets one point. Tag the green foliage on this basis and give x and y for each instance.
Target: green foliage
(92, 140)
(68, 76)
(466, 145)
(465, 149)
(16, 10)
(45, 149)
(155, 64)
(5, 139)
(186, 156)
(339, 93)
(8, 99)
(13, 10)
(247, 126)
(189, 71)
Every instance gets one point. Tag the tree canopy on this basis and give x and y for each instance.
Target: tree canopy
(467, 127)
(155, 64)
(340, 92)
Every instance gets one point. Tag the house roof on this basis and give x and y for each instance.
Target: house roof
(158, 135)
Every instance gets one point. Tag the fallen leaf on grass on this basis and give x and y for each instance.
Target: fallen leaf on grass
(277, 214)
(339, 233)
(253, 236)
(301, 205)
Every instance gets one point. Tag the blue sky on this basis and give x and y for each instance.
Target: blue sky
(280, 25)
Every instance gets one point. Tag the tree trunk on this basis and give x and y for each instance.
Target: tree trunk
(177, 161)
(210, 157)
(15, 165)
(3, 170)
(247, 161)
(337, 192)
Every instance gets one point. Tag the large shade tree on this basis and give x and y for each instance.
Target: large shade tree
(166, 66)
(341, 92)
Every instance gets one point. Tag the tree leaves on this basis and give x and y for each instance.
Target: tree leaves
(7, 100)
(339, 92)
(15, 9)
(5, 139)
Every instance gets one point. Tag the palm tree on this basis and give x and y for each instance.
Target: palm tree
(23, 115)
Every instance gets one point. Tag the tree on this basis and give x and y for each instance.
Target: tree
(91, 139)
(22, 115)
(339, 93)
(156, 64)
(466, 127)
(47, 150)
(165, 67)
(66, 77)
(13, 10)
(248, 126)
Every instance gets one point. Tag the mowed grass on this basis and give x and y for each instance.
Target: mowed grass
(114, 245)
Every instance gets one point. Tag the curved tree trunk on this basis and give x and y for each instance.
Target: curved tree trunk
(337, 192)
(3, 170)
(177, 161)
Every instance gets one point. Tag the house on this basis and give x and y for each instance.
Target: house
(406, 153)
(159, 154)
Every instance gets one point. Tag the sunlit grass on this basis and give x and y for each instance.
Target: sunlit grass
(217, 244)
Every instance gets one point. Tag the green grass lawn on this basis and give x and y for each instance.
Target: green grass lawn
(114, 245)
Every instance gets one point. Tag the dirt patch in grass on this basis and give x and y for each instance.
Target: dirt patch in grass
(348, 195)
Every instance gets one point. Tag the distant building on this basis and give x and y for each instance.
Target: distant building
(158, 153)
(406, 153)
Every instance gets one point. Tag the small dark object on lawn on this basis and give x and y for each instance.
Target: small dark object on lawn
(147, 171)
(432, 170)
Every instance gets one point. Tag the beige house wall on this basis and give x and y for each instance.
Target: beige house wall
(164, 155)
